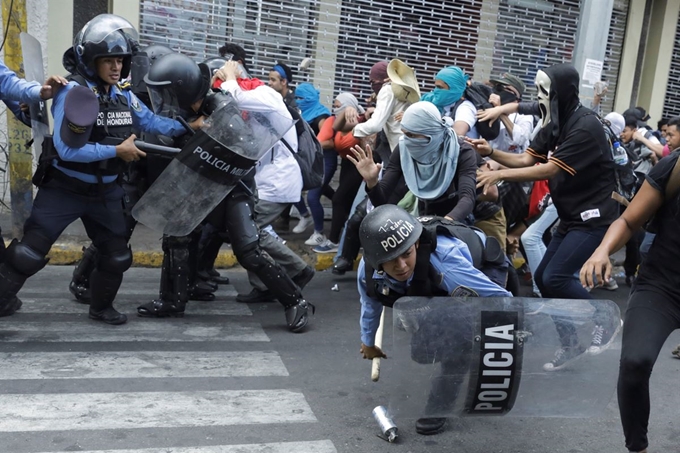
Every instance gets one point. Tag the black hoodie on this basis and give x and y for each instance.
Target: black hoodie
(578, 145)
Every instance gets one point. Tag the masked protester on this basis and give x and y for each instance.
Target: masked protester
(578, 164)
(449, 98)
(402, 257)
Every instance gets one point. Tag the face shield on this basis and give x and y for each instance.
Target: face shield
(163, 99)
(107, 35)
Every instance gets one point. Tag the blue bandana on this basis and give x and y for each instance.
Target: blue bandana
(456, 80)
(307, 98)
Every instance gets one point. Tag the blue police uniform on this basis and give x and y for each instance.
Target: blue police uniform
(451, 259)
(81, 183)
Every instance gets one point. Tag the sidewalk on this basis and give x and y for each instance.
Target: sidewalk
(146, 246)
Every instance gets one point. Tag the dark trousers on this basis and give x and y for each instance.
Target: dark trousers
(348, 186)
(633, 257)
(650, 319)
(566, 253)
(556, 275)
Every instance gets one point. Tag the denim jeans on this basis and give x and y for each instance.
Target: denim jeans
(532, 240)
(330, 160)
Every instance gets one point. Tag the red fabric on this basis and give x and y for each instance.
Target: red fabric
(217, 84)
(538, 200)
(249, 84)
(666, 150)
(342, 141)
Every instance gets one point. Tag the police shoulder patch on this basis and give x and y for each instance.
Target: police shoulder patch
(464, 291)
(134, 103)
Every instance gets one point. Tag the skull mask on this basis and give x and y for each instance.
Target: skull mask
(543, 84)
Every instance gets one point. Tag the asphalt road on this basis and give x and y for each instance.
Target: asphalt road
(231, 378)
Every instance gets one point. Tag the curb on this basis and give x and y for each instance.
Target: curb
(68, 254)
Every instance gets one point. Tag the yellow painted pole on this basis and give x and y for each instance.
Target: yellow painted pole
(20, 157)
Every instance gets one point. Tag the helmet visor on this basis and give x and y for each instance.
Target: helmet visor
(164, 101)
(108, 28)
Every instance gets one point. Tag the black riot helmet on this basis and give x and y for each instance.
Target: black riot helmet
(107, 35)
(387, 232)
(175, 82)
(141, 62)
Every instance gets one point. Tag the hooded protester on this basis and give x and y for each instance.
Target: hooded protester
(449, 97)
(307, 98)
(437, 166)
(581, 177)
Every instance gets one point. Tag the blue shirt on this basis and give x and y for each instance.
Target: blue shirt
(451, 258)
(142, 119)
(13, 88)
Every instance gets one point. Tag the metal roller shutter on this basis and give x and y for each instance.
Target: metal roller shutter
(671, 105)
(428, 34)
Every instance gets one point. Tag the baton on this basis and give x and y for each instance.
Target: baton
(375, 366)
(156, 149)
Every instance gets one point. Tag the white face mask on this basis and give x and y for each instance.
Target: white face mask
(543, 85)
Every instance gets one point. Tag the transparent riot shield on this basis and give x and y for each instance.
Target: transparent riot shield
(209, 166)
(494, 356)
(33, 69)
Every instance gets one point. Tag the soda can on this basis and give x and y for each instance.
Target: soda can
(387, 426)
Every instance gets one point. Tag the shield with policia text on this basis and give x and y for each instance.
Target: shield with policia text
(493, 356)
(209, 166)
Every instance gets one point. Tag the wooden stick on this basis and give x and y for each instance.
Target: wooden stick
(375, 366)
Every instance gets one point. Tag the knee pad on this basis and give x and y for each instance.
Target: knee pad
(115, 262)
(28, 256)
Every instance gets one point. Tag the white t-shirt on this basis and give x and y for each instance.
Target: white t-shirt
(466, 112)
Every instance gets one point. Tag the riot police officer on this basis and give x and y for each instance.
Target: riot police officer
(78, 179)
(435, 257)
(168, 85)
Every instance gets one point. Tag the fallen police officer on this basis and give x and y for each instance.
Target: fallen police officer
(405, 256)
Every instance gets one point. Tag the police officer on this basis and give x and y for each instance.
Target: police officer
(168, 82)
(136, 175)
(80, 180)
(403, 257)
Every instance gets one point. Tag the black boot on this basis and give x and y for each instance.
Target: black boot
(160, 308)
(217, 277)
(80, 282)
(202, 291)
(304, 276)
(342, 265)
(104, 289)
(11, 282)
(429, 426)
(297, 316)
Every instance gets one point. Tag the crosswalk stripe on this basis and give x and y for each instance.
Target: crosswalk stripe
(148, 291)
(91, 411)
(140, 365)
(69, 306)
(320, 446)
(137, 329)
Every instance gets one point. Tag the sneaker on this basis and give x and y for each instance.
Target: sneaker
(316, 239)
(563, 357)
(611, 285)
(326, 247)
(602, 338)
(304, 223)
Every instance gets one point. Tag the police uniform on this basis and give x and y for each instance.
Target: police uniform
(80, 182)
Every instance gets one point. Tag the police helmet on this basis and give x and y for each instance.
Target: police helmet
(155, 51)
(175, 82)
(107, 35)
(213, 64)
(141, 62)
(387, 232)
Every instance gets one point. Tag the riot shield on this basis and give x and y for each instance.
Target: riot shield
(489, 356)
(209, 166)
(33, 69)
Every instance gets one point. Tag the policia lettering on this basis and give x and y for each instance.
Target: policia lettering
(499, 367)
(219, 164)
(402, 229)
(114, 118)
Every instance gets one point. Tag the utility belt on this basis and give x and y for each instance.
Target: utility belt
(108, 167)
(76, 185)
